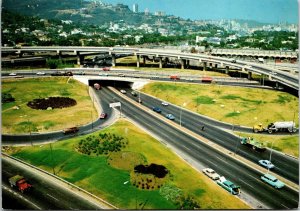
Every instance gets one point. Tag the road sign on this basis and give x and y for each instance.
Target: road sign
(112, 105)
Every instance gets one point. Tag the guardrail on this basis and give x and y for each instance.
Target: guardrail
(64, 181)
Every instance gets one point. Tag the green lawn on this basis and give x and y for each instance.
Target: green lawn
(235, 105)
(94, 174)
(26, 119)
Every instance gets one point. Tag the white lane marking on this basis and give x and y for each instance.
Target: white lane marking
(23, 198)
(285, 206)
(245, 183)
(211, 162)
(52, 197)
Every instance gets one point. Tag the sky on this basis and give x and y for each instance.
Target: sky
(265, 11)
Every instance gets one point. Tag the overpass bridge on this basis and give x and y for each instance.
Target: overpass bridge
(288, 79)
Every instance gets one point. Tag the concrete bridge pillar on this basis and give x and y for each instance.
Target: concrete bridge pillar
(80, 58)
(59, 53)
(113, 60)
(160, 62)
(144, 60)
(137, 61)
(227, 70)
(204, 66)
(182, 63)
(249, 75)
(20, 54)
(216, 66)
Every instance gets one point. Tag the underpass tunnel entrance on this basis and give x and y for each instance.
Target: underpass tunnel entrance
(113, 83)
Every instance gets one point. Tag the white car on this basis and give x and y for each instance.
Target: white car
(164, 103)
(266, 163)
(12, 74)
(211, 173)
(41, 73)
(123, 91)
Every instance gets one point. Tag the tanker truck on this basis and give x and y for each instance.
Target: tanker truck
(276, 126)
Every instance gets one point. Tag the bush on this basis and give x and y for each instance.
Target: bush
(7, 97)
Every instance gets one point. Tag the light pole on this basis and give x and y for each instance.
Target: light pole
(52, 159)
(184, 104)
(92, 120)
(270, 155)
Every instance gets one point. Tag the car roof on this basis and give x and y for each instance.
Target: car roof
(270, 176)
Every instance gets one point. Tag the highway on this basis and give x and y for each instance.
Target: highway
(285, 166)
(45, 194)
(238, 173)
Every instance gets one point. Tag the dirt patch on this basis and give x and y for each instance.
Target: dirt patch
(51, 102)
(157, 170)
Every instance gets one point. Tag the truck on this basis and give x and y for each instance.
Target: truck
(229, 186)
(97, 86)
(261, 60)
(254, 144)
(71, 130)
(19, 182)
(174, 77)
(206, 79)
(276, 126)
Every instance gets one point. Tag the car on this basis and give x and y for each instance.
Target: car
(211, 173)
(80, 73)
(103, 115)
(164, 103)
(156, 109)
(41, 73)
(134, 93)
(271, 180)
(123, 91)
(266, 163)
(170, 116)
(233, 61)
(139, 100)
(12, 74)
(121, 75)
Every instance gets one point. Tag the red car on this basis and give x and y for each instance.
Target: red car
(103, 115)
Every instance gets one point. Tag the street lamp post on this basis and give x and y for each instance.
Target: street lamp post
(184, 104)
(270, 155)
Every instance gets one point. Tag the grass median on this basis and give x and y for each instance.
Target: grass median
(112, 179)
(18, 118)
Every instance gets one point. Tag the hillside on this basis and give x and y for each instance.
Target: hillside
(77, 10)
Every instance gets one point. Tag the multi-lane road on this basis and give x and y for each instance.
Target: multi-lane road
(45, 194)
(232, 169)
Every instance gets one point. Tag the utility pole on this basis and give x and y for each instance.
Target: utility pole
(52, 159)
(270, 155)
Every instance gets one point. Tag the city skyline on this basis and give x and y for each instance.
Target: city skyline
(264, 11)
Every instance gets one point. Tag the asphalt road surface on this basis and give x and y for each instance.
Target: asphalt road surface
(44, 195)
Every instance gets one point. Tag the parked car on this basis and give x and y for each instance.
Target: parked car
(12, 74)
(156, 109)
(266, 163)
(164, 103)
(134, 93)
(103, 115)
(211, 173)
(271, 180)
(41, 73)
(170, 116)
(123, 91)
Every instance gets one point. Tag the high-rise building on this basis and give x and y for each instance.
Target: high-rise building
(135, 8)
(146, 11)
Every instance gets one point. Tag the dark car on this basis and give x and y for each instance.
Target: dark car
(103, 115)
(134, 93)
(156, 109)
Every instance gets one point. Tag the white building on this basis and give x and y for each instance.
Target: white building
(135, 8)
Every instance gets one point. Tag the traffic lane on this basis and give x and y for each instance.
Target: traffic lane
(45, 193)
(205, 154)
(285, 166)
